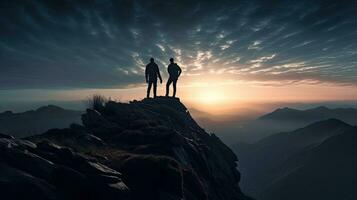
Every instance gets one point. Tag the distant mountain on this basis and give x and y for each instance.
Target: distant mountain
(260, 159)
(37, 121)
(348, 115)
(288, 119)
(327, 171)
(151, 149)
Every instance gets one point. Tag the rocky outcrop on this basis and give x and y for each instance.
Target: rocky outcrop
(49, 171)
(159, 150)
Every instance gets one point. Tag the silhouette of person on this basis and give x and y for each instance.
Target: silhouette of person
(174, 71)
(151, 73)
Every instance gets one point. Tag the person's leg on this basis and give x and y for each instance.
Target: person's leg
(155, 88)
(149, 88)
(169, 81)
(174, 84)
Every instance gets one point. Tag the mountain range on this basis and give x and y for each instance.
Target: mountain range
(288, 119)
(348, 115)
(327, 171)
(316, 159)
(37, 121)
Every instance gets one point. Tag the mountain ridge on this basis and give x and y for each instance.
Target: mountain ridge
(37, 121)
(152, 148)
(313, 114)
(328, 167)
(260, 159)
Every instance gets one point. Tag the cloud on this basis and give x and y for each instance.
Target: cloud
(263, 59)
(107, 43)
(255, 45)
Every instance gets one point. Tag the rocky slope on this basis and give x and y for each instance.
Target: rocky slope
(149, 149)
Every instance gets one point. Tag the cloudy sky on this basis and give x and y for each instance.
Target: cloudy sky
(68, 44)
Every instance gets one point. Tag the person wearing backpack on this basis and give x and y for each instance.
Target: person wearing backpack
(174, 72)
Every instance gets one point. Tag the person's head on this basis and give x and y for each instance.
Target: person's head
(171, 60)
(151, 59)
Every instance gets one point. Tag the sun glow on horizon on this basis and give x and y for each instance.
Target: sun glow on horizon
(212, 96)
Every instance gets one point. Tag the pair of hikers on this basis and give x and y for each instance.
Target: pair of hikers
(152, 72)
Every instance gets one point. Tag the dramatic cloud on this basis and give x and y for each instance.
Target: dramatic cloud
(105, 44)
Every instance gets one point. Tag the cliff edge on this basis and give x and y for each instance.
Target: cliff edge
(149, 149)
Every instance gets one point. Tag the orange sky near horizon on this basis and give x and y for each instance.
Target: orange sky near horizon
(212, 96)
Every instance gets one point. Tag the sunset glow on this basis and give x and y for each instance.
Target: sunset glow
(229, 57)
(213, 97)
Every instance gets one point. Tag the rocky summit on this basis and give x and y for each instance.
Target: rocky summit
(149, 149)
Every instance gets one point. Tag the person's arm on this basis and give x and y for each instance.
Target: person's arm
(179, 71)
(158, 73)
(146, 74)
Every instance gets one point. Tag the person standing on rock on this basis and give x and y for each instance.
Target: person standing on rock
(174, 72)
(151, 73)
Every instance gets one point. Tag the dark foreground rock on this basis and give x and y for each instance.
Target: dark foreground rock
(48, 171)
(149, 149)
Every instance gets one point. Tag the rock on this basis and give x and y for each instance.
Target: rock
(90, 140)
(25, 144)
(75, 126)
(153, 150)
(28, 162)
(49, 171)
(107, 179)
(17, 184)
(6, 144)
(6, 136)
(70, 182)
(93, 120)
(92, 167)
(48, 146)
(137, 137)
(148, 176)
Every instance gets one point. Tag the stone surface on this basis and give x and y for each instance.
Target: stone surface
(150, 149)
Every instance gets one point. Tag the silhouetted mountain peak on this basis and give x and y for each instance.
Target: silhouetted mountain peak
(285, 109)
(7, 113)
(329, 166)
(280, 113)
(37, 121)
(152, 149)
(311, 115)
(277, 156)
(321, 108)
(327, 124)
(50, 108)
(312, 133)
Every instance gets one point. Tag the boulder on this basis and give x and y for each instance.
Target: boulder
(94, 121)
(6, 136)
(149, 176)
(50, 171)
(17, 184)
(90, 140)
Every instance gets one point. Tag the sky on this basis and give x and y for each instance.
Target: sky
(230, 51)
